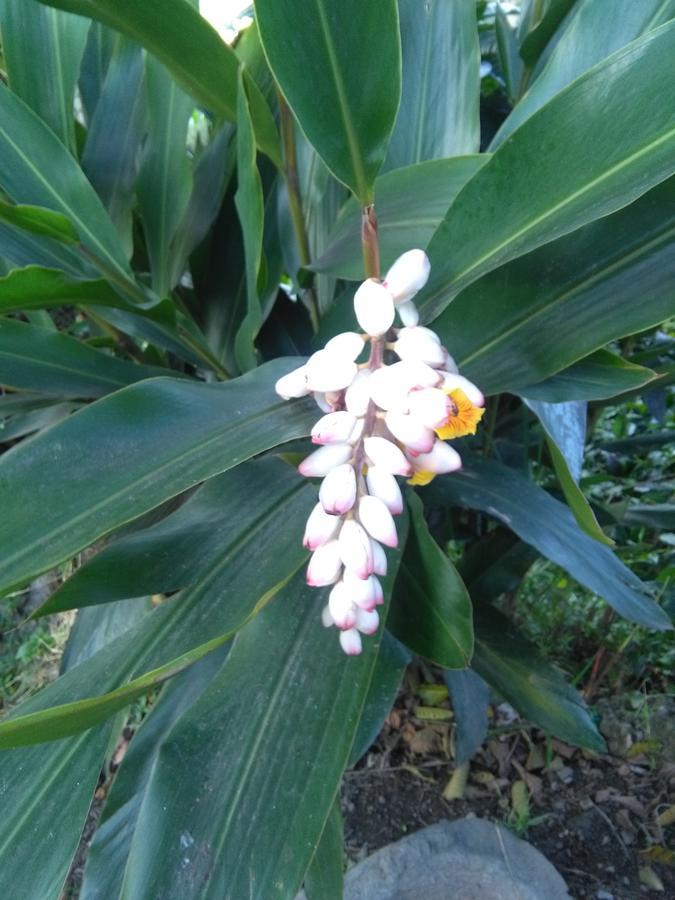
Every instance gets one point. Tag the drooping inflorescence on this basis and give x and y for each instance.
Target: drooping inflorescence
(385, 417)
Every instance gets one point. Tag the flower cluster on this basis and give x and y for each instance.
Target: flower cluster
(388, 416)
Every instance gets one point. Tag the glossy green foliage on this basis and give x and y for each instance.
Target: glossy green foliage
(339, 67)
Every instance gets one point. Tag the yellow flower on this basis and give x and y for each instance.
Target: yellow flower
(462, 420)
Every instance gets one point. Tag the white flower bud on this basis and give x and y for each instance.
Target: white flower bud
(357, 395)
(326, 618)
(408, 313)
(293, 385)
(389, 386)
(341, 607)
(410, 431)
(442, 458)
(451, 382)
(350, 641)
(324, 459)
(348, 345)
(334, 428)
(408, 275)
(382, 484)
(379, 562)
(337, 493)
(378, 521)
(367, 621)
(383, 453)
(364, 592)
(431, 406)
(420, 344)
(374, 307)
(322, 401)
(325, 565)
(320, 528)
(355, 549)
(329, 372)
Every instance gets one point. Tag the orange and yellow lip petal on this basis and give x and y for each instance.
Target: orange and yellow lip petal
(464, 421)
(421, 478)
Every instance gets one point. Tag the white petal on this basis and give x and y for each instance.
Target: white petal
(367, 621)
(348, 345)
(379, 561)
(357, 395)
(374, 307)
(324, 459)
(326, 618)
(408, 275)
(382, 484)
(336, 427)
(420, 344)
(329, 372)
(442, 458)
(322, 402)
(355, 549)
(378, 521)
(410, 431)
(341, 607)
(350, 641)
(337, 493)
(408, 313)
(431, 406)
(364, 592)
(320, 528)
(293, 385)
(386, 455)
(386, 388)
(325, 565)
(451, 382)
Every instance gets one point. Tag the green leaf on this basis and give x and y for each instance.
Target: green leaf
(339, 67)
(38, 220)
(171, 435)
(564, 426)
(165, 178)
(550, 527)
(93, 629)
(109, 849)
(438, 115)
(195, 54)
(287, 684)
(539, 314)
(250, 205)
(256, 559)
(599, 376)
(506, 33)
(538, 26)
(614, 150)
(97, 55)
(116, 129)
(411, 203)
(589, 36)
(324, 879)
(36, 169)
(36, 359)
(32, 34)
(514, 668)
(470, 698)
(431, 610)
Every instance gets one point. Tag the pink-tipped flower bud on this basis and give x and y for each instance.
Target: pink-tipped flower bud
(387, 456)
(357, 395)
(329, 372)
(365, 592)
(294, 384)
(348, 345)
(377, 521)
(408, 275)
(320, 528)
(324, 459)
(367, 621)
(341, 607)
(337, 493)
(431, 406)
(374, 307)
(355, 549)
(325, 565)
(408, 314)
(442, 459)
(382, 484)
(334, 428)
(410, 431)
(420, 344)
(451, 382)
(379, 560)
(350, 641)
(389, 386)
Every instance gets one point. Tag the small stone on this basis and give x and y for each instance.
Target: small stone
(604, 895)
(566, 775)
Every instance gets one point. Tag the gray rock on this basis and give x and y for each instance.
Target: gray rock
(470, 859)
